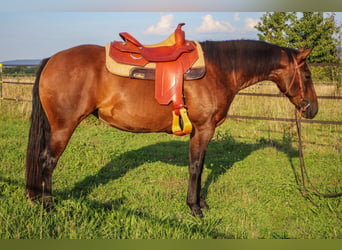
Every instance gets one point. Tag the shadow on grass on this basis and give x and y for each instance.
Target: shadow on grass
(223, 150)
(176, 153)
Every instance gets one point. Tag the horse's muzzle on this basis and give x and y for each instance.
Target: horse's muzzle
(309, 110)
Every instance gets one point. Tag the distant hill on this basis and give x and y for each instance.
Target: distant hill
(22, 62)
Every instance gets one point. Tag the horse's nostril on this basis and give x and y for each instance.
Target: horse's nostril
(304, 105)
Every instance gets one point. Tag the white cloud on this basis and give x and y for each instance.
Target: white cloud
(163, 27)
(250, 23)
(211, 25)
(237, 17)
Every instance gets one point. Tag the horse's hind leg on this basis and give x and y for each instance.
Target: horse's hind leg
(47, 141)
(49, 158)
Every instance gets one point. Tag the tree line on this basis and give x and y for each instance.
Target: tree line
(20, 70)
(316, 30)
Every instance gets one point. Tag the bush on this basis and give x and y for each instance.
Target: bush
(328, 74)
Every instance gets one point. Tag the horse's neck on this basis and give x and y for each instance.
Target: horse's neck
(249, 82)
(264, 70)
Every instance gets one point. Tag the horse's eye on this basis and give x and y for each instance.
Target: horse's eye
(307, 77)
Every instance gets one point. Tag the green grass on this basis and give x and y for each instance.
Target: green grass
(111, 184)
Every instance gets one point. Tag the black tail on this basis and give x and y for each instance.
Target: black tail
(39, 136)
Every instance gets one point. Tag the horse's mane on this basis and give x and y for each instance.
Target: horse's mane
(249, 56)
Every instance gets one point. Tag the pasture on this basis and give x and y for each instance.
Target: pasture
(111, 184)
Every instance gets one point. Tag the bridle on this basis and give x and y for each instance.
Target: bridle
(297, 73)
(302, 106)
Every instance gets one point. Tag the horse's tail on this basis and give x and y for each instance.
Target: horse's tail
(39, 136)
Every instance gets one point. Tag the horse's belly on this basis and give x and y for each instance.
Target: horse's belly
(137, 119)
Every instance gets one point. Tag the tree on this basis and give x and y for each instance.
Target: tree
(303, 30)
(274, 27)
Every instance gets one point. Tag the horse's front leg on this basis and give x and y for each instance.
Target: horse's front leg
(198, 145)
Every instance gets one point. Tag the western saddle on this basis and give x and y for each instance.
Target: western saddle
(172, 58)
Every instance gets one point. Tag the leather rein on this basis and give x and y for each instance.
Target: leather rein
(305, 179)
(298, 114)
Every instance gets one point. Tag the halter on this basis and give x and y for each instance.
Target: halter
(297, 72)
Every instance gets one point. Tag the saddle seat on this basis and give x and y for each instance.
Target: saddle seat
(152, 53)
(170, 60)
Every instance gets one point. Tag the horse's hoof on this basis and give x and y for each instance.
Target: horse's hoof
(48, 203)
(203, 204)
(37, 199)
(32, 197)
(197, 212)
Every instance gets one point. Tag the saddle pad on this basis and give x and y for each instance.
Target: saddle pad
(196, 71)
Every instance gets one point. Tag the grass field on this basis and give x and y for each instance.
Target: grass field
(116, 185)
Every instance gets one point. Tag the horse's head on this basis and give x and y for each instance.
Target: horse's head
(294, 80)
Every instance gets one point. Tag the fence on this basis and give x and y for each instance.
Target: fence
(1, 80)
(2, 83)
(16, 73)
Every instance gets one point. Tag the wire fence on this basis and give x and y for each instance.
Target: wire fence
(279, 95)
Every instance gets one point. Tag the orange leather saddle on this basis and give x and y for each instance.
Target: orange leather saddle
(172, 61)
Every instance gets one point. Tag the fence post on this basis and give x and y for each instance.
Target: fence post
(0, 81)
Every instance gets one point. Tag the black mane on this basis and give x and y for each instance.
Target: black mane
(249, 56)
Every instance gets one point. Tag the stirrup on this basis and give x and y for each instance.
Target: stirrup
(181, 124)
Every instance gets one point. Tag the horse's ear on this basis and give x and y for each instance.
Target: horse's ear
(303, 54)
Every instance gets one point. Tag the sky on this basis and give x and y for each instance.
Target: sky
(37, 29)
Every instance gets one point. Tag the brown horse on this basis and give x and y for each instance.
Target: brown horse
(75, 83)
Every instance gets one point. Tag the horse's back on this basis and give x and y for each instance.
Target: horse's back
(77, 80)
